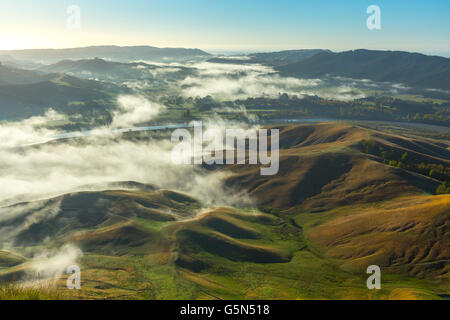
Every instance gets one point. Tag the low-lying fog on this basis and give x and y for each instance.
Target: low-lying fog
(228, 82)
(45, 170)
(31, 171)
(56, 168)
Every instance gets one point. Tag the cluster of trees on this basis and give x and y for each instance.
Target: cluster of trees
(437, 171)
(372, 108)
(444, 188)
(403, 160)
(439, 117)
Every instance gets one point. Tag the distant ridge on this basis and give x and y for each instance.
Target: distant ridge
(278, 58)
(286, 56)
(10, 75)
(413, 69)
(108, 52)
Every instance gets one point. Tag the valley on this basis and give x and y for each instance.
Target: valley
(88, 179)
(337, 210)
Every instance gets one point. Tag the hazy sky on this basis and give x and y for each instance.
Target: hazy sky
(231, 25)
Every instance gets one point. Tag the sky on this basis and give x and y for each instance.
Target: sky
(228, 26)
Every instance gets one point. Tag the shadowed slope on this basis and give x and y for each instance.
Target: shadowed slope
(59, 217)
(227, 233)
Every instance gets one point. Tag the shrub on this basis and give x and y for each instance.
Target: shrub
(444, 188)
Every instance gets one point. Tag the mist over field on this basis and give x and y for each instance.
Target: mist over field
(228, 82)
(36, 165)
(46, 169)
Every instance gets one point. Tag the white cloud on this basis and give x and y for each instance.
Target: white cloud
(40, 212)
(57, 168)
(51, 264)
(29, 130)
(133, 110)
(231, 81)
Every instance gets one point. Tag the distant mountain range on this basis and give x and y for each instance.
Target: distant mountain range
(108, 70)
(108, 52)
(97, 68)
(413, 69)
(25, 93)
(272, 58)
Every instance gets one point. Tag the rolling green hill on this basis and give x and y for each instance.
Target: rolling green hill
(335, 208)
(322, 167)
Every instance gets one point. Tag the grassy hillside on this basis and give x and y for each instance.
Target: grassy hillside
(325, 166)
(42, 292)
(334, 209)
(9, 259)
(408, 235)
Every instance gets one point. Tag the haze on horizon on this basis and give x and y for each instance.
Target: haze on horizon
(231, 27)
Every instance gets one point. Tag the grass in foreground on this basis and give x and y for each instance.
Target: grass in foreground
(20, 292)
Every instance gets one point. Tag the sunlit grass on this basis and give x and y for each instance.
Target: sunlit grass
(45, 291)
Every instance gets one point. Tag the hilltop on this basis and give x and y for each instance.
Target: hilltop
(324, 166)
